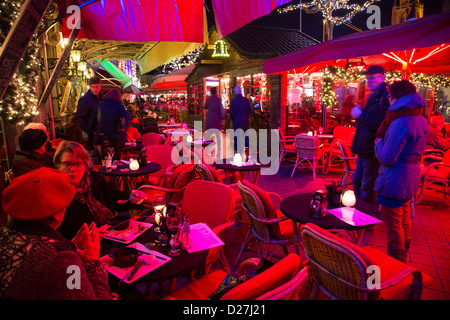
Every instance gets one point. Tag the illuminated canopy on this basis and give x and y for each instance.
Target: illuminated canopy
(424, 39)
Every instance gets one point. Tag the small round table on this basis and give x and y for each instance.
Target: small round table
(123, 172)
(297, 209)
(253, 170)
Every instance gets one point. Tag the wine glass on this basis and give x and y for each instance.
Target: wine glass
(159, 204)
(173, 223)
(110, 152)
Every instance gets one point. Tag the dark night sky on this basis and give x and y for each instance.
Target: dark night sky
(312, 23)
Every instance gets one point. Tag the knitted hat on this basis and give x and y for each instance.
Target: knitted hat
(237, 90)
(32, 139)
(38, 194)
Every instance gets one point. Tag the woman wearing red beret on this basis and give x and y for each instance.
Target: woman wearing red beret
(36, 261)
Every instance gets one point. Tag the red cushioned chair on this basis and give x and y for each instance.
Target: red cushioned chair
(173, 188)
(341, 269)
(269, 284)
(211, 203)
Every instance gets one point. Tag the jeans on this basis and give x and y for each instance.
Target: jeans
(398, 225)
(366, 173)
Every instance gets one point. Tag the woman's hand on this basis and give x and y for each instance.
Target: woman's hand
(87, 241)
(138, 195)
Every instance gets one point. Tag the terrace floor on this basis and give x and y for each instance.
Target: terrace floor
(430, 248)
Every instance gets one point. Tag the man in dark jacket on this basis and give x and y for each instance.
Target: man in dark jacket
(86, 116)
(436, 139)
(368, 121)
(240, 110)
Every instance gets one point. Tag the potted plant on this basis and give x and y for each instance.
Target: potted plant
(334, 192)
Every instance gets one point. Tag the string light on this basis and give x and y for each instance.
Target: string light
(327, 7)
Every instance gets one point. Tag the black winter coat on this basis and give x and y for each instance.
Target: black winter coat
(369, 121)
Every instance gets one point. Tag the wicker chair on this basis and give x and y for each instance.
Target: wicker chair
(349, 162)
(267, 225)
(310, 150)
(280, 281)
(286, 145)
(343, 270)
(434, 175)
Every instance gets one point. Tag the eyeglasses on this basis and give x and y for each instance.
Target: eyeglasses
(68, 165)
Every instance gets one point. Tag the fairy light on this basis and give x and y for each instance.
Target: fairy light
(327, 7)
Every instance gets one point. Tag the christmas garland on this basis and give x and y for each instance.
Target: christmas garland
(20, 99)
(332, 73)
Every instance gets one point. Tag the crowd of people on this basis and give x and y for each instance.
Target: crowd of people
(59, 209)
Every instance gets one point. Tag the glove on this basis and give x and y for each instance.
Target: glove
(356, 112)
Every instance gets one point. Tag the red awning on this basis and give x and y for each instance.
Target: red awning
(403, 40)
(230, 15)
(142, 20)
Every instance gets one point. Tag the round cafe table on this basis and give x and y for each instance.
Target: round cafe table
(252, 170)
(297, 208)
(124, 173)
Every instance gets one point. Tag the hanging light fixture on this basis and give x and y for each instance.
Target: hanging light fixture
(75, 54)
(220, 50)
(82, 65)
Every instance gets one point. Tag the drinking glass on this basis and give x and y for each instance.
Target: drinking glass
(173, 222)
(159, 204)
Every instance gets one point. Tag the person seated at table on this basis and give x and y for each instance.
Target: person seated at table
(436, 139)
(96, 200)
(31, 153)
(37, 262)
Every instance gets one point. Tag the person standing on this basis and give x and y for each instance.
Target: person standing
(240, 111)
(400, 143)
(368, 119)
(113, 124)
(86, 116)
(214, 115)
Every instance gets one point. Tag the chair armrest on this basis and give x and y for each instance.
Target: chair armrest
(220, 228)
(435, 164)
(439, 151)
(160, 188)
(251, 263)
(266, 220)
(275, 195)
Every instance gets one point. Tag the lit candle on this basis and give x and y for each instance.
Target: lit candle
(134, 164)
(348, 198)
(237, 158)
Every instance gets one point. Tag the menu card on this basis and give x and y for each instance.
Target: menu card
(353, 216)
(201, 237)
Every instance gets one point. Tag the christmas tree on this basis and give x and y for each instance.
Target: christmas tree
(20, 99)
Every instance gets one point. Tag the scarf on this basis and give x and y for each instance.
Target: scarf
(392, 115)
(83, 195)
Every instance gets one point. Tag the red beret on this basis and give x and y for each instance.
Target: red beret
(38, 194)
